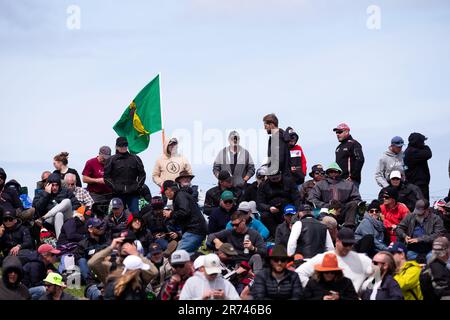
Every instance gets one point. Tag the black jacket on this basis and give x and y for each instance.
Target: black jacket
(435, 281)
(187, 214)
(350, 157)
(266, 287)
(115, 226)
(35, 271)
(124, 173)
(316, 290)
(10, 291)
(282, 234)
(14, 236)
(44, 202)
(11, 194)
(283, 156)
(416, 159)
(218, 219)
(389, 290)
(73, 230)
(212, 198)
(251, 192)
(408, 194)
(277, 195)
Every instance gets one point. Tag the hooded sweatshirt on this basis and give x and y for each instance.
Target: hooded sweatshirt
(416, 160)
(198, 284)
(16, 291)
(169, 166)
(389, 162)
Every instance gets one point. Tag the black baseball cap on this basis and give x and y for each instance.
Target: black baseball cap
(121, 142)
(347, 236)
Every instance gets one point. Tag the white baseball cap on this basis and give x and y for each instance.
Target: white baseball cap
(212, 264)
(395, 174)
(132, 262)
(199, 262)
(179, 257)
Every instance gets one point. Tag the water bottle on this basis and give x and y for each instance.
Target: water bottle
(247, 237)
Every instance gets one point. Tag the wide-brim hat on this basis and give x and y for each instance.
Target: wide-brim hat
(329, 263)
(184, 174)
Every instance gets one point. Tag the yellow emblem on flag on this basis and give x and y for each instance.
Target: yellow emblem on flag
(137, 124)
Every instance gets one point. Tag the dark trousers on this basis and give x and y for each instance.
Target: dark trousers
(366, 245)
(348, 214)
(271, 221)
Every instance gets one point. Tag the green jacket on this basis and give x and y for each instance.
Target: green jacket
(408, 280)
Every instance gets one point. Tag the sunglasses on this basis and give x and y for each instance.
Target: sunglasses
(8, 219)
(236, 224)
(377, 263)
(282, 260)
(374, 211)
(347, 244)
(395, 179)
(228, 201)
(339, 131)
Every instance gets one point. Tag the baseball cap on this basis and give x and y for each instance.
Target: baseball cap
(342, 126)
(252, 205)
(8, 213)
(116, 203)
(199, 262)
(420, 207)
(132, 262)
(289, 210)
(224, 175)
(397, 141)
(130, 237)
(212, 264)
(398, 247)
(179, 257)
(346, 235)
(55, 279)
(390, 192)
(95, 223)
(157, 203)
(154, 248)
(46, 248)
(228, 249)
(105, 151)
(440, 244)
(395, 174)
(244, 206)
(121, 142)
(227, 195)
(304, 207)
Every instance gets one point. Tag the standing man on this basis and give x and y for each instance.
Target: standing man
(297, 158)
(278, 150)
(349, 155)
(416, 163)
(391, 160)
(125, 174)
(93, 173)
(236, 160)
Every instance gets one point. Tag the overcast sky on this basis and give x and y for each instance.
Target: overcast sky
(224, 64)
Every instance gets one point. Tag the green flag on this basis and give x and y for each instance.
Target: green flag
(141, 118)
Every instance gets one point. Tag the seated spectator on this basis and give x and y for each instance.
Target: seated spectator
(145, 237)
(36, 267)
(10, 198)
(11, 287)
(40, 185)
(408, 193)
(209, 283)
(81, 194)
(55, 288)
(283, 230)
(317, 174)
(443, 211)
(418, 230)
(370, 233)
(15, 239)
(332, 227)
(328, 282)
(333, 187)
(251, 192)
(249, 208)
(277, 282)
(127, 284)
(212, 198)
(435, 278)
(60, 162)
(308, 236)
(393, 211)
(220, 216)
(182, 270)
(56, 204)
(116, 221)
(382, 285)
(73, 230)
(248, 243)
(407, 273)
(273, 195)
(155, 255)
(355, 266)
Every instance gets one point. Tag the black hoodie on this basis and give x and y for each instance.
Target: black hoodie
(16, 291)
(14, 236)
(416, 159)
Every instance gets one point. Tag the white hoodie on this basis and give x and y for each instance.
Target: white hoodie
(198, 284)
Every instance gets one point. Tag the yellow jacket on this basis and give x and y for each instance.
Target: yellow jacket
(408, 280)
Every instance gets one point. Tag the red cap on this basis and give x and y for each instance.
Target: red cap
(45, 248)
(342, 126)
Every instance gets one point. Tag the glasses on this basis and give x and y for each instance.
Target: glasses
(347, 244)
(277, 260)
(339, 131)
(178, 266)
(377, 263)
(235, 225)
(8, 219)
(228, 201)
(374, 211)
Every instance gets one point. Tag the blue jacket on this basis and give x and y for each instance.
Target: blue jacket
(370, 226)
(255, 225)
(218, 219)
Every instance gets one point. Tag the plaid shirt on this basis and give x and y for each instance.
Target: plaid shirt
(171, 291)
(84, 197)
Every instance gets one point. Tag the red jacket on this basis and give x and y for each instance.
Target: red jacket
(298, 164)
(393, 217)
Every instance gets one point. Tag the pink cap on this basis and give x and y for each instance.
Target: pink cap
(342, 126)
(45, 248)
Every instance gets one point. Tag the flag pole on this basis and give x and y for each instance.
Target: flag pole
(162, 113)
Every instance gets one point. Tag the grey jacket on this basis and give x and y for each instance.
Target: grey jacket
(370, 226)
(433, 225)
(388, 163)
(328, 189)
(244, 166)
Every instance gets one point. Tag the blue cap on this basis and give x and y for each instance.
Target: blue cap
(397, 141)
(289, 209)
(398, 247)
(95, 223)
(116, 203)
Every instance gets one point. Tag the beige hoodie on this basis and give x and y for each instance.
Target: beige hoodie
(168, 167)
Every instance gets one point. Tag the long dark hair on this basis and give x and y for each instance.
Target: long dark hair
(318, 276)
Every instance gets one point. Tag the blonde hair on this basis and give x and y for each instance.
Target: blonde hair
(130, 278)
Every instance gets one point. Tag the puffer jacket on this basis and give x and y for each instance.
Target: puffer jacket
(14, 236)
(16, 291)
(124, 173)
(44, 202)
(266, 287)
(408, 194)
(329, 189)
(416, 159)
(370, 226)
(169, 166)
(389, 162)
